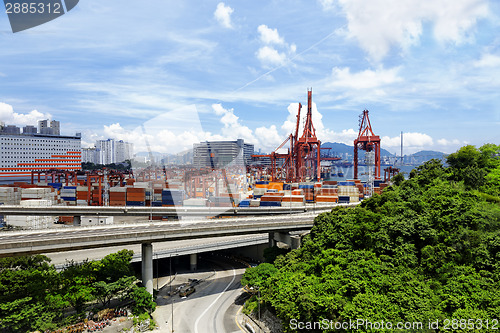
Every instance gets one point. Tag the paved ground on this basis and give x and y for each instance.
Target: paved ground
(211, 309)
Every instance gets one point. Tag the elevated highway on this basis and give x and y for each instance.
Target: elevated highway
(179, 211)
(46, 241)
(280, 222)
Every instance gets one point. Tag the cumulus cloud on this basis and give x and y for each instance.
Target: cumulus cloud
(270, 36)
(488, 60)
(275, 51)
(346, 136)
(268, 137)
(445, 142)
(410, 140)
(233, 129)
(380, 24)
(271, 57)
(367, 79)
(263, 137)
(9, 117)
(223, 15)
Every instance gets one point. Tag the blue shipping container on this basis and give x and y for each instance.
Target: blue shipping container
(136, 203)
(270, 203)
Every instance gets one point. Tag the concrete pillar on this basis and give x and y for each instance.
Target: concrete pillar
(147, 266)
(193, 261)
(296, 242)
(283, 237)
(272, 242)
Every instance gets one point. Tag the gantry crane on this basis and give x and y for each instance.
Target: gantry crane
(302, 161)
(368, 142)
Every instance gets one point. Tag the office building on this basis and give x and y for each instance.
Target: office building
(218, 154)
(33, 151)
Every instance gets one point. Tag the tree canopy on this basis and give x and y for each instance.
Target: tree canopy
(34, 295)
(425, 249)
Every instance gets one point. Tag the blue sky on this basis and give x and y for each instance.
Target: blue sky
(238, 69)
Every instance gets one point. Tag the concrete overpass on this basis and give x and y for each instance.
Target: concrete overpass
(47, 241)
(164, 249)
(154, 211)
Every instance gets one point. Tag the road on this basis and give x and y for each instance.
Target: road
(211, 309)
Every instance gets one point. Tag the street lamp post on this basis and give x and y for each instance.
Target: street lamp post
(171, 298)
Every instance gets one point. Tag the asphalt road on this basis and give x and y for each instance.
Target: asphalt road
(211, 309)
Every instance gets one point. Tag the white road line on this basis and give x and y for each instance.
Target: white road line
(208, 308)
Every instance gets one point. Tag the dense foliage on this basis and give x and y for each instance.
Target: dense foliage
(426, 249)
(35, 296)
(123, 166)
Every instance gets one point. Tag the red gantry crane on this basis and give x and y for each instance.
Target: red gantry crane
(302, 161)
(368, 142)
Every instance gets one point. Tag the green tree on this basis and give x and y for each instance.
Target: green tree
(427, 248)
(143, 301)
(257, 276)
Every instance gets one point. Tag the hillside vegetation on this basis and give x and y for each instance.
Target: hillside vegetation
(427, 249)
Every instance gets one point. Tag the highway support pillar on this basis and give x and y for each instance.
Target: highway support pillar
(292, 241)
(193, 262)
(147, 266)
(272, 242)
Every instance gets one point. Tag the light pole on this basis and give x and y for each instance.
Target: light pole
(157, 274)
(258, 302)
(171, 297)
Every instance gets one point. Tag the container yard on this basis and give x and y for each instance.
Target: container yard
(292, 179)
(235, 190)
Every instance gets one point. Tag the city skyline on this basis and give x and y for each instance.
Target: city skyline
(228, 70)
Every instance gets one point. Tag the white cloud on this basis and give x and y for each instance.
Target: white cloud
(223, 15)
(445, 142)
(268, 137)
(271, 57)
(488, 60)
(367, 79)
(411, 140)
(275, 51)
(380, 24)
(270, 36)
(346, 136)
(327, 4)
(232, 129)
(9, 117)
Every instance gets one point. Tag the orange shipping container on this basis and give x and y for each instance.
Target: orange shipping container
(275, 186)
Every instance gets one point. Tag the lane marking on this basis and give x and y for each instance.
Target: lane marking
(236, 319)
(208, 308)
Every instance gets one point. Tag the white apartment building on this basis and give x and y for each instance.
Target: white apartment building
(113, 151)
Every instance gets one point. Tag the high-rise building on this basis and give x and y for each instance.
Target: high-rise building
(53, 128)
(113, 151)
(218, 154)
(29, 129)
(91, 155)
(31, 151)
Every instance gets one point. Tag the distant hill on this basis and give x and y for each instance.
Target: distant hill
(423, 156)
(428, 153)
(342, 148)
